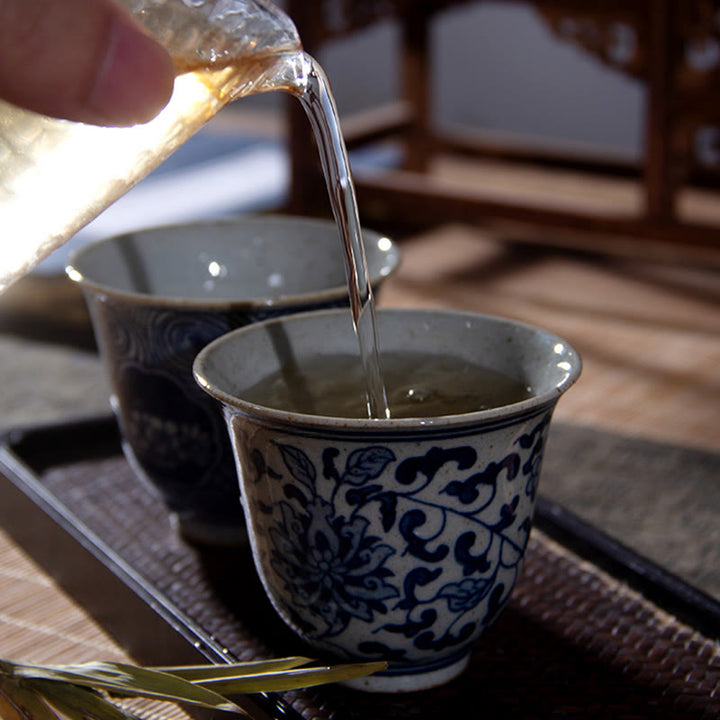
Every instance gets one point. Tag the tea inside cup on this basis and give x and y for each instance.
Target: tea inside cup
(395, 539)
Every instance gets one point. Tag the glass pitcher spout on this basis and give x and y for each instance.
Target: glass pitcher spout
(203, 32)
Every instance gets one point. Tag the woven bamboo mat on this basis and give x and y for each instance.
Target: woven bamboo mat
(573, 643)
(40, 623)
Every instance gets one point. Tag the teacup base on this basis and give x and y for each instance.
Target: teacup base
(404, 679)
(188, 525)
(197, 532)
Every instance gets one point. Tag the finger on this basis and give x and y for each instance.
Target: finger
(83, 60)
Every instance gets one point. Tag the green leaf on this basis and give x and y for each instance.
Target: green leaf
(79, 703)
(292, 679)
(123, 678)
(6, 667)
(18, 702)
(8, 711)
(206, 673)
(71, 690)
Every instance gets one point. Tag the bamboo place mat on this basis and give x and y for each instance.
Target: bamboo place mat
(39, 623)
(574, 642)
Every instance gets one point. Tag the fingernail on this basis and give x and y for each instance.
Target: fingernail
(135, 77)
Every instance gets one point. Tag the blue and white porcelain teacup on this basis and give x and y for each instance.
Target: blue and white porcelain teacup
(158, 296)
(392, 539)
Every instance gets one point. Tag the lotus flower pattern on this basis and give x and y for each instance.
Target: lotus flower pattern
(425, 546)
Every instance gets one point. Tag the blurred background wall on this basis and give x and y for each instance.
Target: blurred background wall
(497, 67)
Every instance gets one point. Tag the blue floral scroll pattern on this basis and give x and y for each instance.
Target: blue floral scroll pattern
(328, 550)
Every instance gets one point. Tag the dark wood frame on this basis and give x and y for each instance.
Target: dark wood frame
(680, 100)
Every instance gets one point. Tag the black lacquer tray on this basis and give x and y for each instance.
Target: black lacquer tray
(592, 631)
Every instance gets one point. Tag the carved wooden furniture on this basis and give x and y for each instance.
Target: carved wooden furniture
(673, 46)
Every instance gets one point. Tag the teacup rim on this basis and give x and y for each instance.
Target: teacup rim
(335, 293)
(507, 413)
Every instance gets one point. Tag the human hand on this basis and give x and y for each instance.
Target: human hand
(84, 60)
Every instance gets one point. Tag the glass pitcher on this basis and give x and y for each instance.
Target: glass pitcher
(57, 175)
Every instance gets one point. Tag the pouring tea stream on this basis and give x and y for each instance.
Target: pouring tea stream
(222, 51)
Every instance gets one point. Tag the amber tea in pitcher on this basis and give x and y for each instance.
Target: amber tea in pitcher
(58, 175)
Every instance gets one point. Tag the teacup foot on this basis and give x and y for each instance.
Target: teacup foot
(411, 679)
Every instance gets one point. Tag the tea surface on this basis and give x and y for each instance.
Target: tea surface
(417, 386)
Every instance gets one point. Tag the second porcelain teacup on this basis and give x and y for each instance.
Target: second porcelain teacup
(158, 296)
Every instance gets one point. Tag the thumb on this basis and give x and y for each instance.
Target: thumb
(84, 60)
